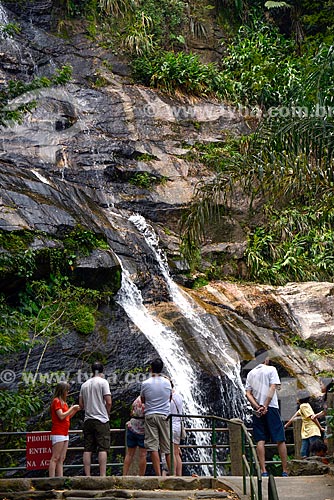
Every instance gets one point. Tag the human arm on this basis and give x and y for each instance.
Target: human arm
(108, 402)
(316, 421)
(271, 391)
(257, 407)
(321, 413)
(68, 413)
(289, 422)
(81, 402)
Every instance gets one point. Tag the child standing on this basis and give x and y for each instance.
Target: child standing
(311, 428)
(60, 415)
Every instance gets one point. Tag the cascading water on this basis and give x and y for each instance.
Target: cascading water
(172, 352)
(3, 17)
(175, 354)
(206, 329)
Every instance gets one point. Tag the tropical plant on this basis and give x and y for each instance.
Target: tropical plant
(118, 8)
(173, 72)
(295, 8)
(51, 309)
(258, 66)
(289, 166)
(15, 407)
(139, 40)
(12, 112)
(9, 30)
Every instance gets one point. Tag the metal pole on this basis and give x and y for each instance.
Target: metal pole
(171, 472)
(214, 448)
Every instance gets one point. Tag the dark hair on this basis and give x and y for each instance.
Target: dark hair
(318, 446)
(260, 351)
(61, 390)
(303, 396)
(97, 367)
(304, 400)
(328, 383)
(157, 365)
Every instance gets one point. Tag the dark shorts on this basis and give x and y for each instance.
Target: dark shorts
(269, 427)
(133, 439)
(96, 435)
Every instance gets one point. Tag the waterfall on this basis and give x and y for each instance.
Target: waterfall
(174, 353)
(3, 15)
(209, 329)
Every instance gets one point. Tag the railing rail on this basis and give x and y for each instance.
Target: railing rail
(250, 463)
(250, 469)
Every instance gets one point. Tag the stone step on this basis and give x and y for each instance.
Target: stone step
(144, 495)
(116, 488)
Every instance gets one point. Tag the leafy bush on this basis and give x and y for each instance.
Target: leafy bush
(15, 408)
(295, 245)
(16, 88)
(258, 66)
(177, 72)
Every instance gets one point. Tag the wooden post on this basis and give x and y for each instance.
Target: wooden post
(297, 436)
(235, 433)
(330, 444)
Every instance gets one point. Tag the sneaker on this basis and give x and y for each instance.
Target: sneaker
(285, 474)
(265, 474)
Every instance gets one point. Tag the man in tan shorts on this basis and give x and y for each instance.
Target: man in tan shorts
(156, 393)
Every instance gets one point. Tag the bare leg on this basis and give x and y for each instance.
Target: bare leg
(168, 461)
(177, 460)
(60, 463)
(156, 462)
(57, 456)
(128, 460)
(102, 457)
(281, 446)
(142, 461)
(261, 455)
(87, 457)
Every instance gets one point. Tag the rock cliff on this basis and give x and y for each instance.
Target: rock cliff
(78, 158)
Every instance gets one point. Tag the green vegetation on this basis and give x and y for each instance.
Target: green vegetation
(9, 30)
(10, 112)
(22, 261)
(287, 162)
(146, 180)
(176, 72)
(277, 58)
(37, 312)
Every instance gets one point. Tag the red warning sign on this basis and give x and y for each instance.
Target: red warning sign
(38, 450)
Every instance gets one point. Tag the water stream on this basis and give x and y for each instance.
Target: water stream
(174, 353)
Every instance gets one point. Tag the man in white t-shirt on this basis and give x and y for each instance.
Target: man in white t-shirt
(156, 393)
(95, 399)
(261, 391)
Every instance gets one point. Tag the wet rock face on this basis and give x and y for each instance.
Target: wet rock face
(38, 12)
(79, 158)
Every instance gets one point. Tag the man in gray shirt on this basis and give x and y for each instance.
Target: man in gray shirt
(156, 393)
(95, 399)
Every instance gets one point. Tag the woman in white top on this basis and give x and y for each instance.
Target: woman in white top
(176, 407)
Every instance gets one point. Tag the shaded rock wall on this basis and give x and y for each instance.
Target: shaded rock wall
(70, 163)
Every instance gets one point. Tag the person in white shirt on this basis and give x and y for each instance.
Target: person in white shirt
(261, 391)
(176, 407)
(156, 393)
(95, 399)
